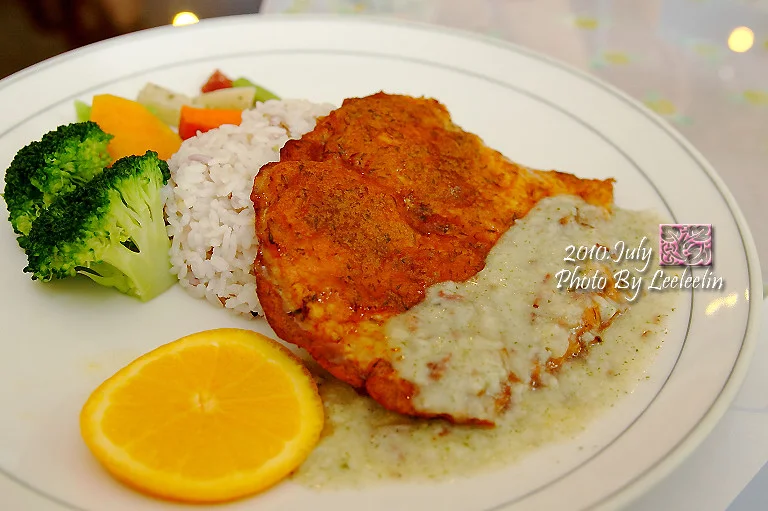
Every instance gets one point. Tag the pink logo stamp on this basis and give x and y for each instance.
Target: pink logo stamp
(685, 245)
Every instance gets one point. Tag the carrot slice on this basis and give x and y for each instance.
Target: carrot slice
(203, 119)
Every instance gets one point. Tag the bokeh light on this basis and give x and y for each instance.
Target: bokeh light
(741, 39)
(185, 18)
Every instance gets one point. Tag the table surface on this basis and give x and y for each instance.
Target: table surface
(701, 64)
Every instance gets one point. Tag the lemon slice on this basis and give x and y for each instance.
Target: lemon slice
(211, 417)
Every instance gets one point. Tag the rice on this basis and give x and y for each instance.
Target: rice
(208, 204)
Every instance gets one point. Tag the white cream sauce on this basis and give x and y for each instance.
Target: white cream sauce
(478, 332)
(463, 342)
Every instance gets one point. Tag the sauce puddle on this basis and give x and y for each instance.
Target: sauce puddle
(364, 443)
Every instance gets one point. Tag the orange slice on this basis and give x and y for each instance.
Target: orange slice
(213, 416)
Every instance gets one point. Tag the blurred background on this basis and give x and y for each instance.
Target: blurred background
(34, 30)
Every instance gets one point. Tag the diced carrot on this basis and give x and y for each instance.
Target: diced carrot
(134, 127)
(216, 81)
(204, 119)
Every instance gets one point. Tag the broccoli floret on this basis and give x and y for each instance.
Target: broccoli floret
(110, 229)
(58, 163)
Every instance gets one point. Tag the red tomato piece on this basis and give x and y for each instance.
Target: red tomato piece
(216, 81)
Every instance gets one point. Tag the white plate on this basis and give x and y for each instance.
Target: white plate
(60, 341)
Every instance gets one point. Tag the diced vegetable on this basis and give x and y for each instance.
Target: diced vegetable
(242, 82)
(204, 119)
(82, 110)
(135, 129)
(216, 81)
(164, 103)
(234, 98)
(262, 94)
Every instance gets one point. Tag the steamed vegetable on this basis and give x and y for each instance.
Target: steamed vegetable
(167, 104)
(234, 98)
(110, 229)
(62, 160)
(135, 129)
(216, 81)
(204, 119)
(219, 81)
(262, 94)
(164, 103)
(82, 111)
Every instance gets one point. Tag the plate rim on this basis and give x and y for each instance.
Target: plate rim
(674, 457)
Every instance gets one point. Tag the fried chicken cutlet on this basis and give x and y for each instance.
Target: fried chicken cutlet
(384, 198)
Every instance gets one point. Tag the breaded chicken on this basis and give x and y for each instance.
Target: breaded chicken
(384, 198)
